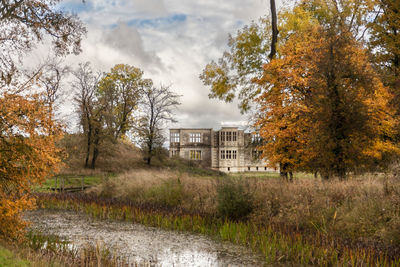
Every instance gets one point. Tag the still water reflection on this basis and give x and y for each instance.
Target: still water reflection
(139, 244)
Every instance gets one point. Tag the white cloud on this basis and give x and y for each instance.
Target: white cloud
(128, 41)
(172, 41)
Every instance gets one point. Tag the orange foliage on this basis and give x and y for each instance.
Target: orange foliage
(324, 108)
(28, 154)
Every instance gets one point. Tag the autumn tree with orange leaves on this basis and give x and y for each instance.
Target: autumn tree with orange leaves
(28, 131)
(322, 106)
(28, 154)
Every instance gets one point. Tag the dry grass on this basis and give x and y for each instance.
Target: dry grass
(363, 210)
(113, 158)
(360, 211)
(161, 187)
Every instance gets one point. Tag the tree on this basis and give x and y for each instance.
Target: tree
(106, 104)
(119, 93)
(24, 23)
(51, 79)
(156, 107)
(89, 110)
(28, 132)
(384, 44)
(323, 103)
(238, 68)
(28, 155)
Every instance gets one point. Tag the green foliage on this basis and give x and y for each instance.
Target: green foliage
(237, 68)
(119, 92)
(234, 199)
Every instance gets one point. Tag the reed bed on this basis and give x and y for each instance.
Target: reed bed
(294, 243)
(49, 250)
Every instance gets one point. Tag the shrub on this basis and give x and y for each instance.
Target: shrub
(169, 193)
(234, 199)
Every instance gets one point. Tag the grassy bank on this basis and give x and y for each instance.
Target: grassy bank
(352, 223)
(8, 258)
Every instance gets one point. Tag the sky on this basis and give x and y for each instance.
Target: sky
(171, 41)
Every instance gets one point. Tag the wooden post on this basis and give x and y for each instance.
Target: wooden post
(82, 182)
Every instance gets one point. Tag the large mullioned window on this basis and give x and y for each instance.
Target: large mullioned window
(195, 137)
(175, 138)
(228, 136)
(195, 154)
(228, 154)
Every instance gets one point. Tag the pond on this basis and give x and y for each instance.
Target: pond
(142, 244)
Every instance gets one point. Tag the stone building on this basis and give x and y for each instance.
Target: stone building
(229, 149)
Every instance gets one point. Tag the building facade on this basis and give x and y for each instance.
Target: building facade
(229, 149)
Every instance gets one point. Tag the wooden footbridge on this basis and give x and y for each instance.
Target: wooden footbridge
(69, 184)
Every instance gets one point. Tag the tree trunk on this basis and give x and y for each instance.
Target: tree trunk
(96, 142)
(335, 124)
(283, 172)
(275, 31)
(94, 157)
(149, 152)
(89, 144)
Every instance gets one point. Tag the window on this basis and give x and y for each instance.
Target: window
(228, 136)
(222, 136)
(234, 136)
(255, 138)
(248, 168)
(195, 154)
(256, 154)
(174, 138)
(195, 137)
(174, 153)
(265, 168)
(256, 168)
(229, 168)
(228, 154)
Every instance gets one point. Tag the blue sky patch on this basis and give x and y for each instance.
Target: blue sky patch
(156, 22)
(75, 7)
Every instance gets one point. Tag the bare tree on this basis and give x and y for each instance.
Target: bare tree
(51, 81)
(156, 107)
(24, 23)
(90, 114)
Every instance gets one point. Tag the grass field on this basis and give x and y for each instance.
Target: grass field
(70, 181)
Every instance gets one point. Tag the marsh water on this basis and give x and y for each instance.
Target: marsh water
(142, 244)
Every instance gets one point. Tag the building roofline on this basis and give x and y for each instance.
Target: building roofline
(222, 128)
(191, 129)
